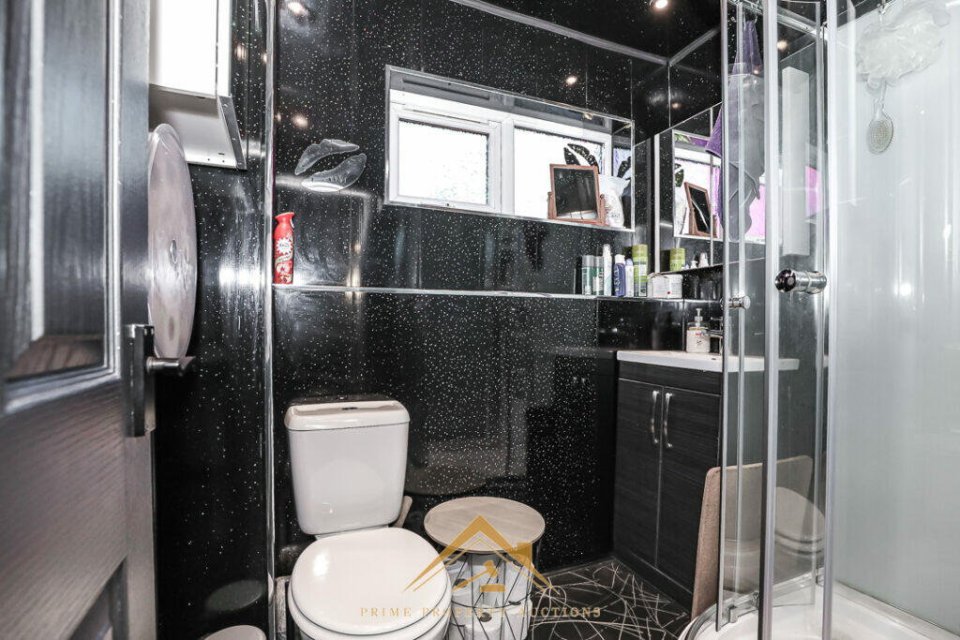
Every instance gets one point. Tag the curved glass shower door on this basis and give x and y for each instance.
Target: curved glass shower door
(840, 503)
(772, 495)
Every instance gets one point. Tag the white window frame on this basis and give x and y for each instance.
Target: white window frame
(499, 125)
(408, 112)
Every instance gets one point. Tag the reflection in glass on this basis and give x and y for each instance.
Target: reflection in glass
(535, 151)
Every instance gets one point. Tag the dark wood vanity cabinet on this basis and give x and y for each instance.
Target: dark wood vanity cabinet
(668, 436)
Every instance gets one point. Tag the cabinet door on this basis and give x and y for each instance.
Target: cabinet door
(636, 499)
(690, 441)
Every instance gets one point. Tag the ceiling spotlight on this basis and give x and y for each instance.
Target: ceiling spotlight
(782, 45)
(296, 8)
(571, 80)
(659, 5)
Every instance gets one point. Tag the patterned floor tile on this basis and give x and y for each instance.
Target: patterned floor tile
(604, 601)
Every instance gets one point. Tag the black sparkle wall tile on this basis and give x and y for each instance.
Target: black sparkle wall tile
(651, 98)
(510, 396)
(634, 24)
(695, 83)
(211, 539)
(389, 245)
(609, 78)
(452, 39)
(506, 396)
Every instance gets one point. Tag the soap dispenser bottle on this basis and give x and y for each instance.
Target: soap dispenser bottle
(698, 340)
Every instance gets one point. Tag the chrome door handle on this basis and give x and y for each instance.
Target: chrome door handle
(739, 302)
(800, 281)
(176, 366)
(653, 418)
(666, 421)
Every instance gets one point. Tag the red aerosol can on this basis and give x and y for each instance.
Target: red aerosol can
(283, 249)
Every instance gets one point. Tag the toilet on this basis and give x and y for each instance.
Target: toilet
(348, 461)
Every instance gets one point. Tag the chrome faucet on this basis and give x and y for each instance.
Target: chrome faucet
(716, 334)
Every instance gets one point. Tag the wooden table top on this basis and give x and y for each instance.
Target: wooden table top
(511, 521)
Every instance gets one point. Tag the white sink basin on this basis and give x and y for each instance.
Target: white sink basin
(699, 361)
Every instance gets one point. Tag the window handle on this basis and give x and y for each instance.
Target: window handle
(653, 419)
(666, 421)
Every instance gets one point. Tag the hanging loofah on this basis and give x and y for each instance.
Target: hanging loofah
(909, 40)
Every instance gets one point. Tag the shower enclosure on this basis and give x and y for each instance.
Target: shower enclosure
(840, 498)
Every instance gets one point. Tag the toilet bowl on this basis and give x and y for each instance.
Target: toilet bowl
(361, 583)
(360, 578)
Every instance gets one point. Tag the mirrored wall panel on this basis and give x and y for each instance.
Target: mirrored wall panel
(453, 145)
(688, 201)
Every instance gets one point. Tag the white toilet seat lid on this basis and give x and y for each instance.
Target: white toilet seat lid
(424, 629)
(357, 583)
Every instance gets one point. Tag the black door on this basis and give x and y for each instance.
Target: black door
(76, 534)
(690, 443)
(636, 502)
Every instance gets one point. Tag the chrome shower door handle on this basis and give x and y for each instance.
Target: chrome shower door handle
(653, 418)
(666, 420)
(800, 281)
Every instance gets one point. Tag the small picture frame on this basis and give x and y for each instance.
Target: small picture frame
(699, 211)
(575, 194)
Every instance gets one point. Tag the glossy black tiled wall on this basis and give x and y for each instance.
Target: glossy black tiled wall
(634, 24)
(510, 396)
(330, 75)
(210, 481)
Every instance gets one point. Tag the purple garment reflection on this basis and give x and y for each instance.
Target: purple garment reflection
(744, 101)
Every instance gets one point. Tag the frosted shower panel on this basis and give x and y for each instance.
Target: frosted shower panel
(896, 357)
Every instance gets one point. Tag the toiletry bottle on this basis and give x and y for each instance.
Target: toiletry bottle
(698, 341)
(596, 275)
(629, 293)
(640, 270)
(586, 277)
(619, 276)
(607, 271)
(283, 249)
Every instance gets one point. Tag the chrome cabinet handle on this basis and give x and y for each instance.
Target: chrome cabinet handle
(653, 418)
(666, 421)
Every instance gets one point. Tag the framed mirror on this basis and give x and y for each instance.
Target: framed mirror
(575, 194)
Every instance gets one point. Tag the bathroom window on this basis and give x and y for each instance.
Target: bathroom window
(468, 148)
(445, 162)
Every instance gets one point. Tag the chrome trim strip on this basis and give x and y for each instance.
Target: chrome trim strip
(725, 314)
(552, 27)
(772, 117)
(458, 292)
(787, 18)
(228, 112)
(696, 44)
(266, 284)
(833, 131)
